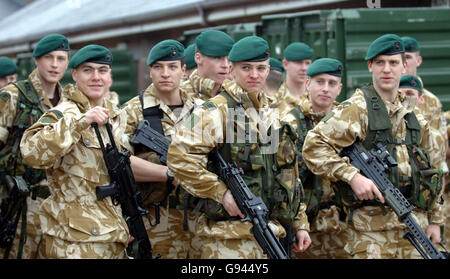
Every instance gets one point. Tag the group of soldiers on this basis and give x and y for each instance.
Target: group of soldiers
(277, 120)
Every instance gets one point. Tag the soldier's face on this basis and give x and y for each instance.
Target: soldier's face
(51, 66)
(296, 70)
(413, 93)
(7, 79)
(215, 68)
(251, 76)
(413, 61)
(92, 79)
(323, 90)
(386, 72)
(167, 75)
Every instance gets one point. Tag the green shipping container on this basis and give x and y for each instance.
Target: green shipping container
(123, 72)
(236, 31)
(346, 34)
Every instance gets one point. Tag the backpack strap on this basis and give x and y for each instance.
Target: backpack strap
(152, 114)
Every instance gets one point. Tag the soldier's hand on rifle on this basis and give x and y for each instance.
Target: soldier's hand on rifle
(364, 188)
(303, 241)
(230, 205)
(99, 115)
(434, 233)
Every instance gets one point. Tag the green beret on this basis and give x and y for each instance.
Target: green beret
(91, 53)
(325, 66)
(276, 65)
(189, 52)
(409, 81)
(214, 43)
(167, 50)
(7, 66)
(251, 49)
(50, 43)
(298, 51)
(411, 44)
(388, 44)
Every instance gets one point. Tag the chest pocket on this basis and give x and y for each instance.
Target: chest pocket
(86, 159)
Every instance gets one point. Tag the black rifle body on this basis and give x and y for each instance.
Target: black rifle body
(123, 190)
(251, 206)
(373, 165)
(152, 139)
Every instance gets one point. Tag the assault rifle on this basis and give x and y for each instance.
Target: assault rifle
(251, 206)
(373, 165)
(152, 139)
(12, 208)
(123, 190)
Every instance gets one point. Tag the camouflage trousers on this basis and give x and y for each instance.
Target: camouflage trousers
(168, 238)
(373, 235)
(55, 248)
(33, 234)
(214, 248)
(328, 237)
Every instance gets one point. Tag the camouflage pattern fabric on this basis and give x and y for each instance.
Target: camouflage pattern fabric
(8, 110)
(114, 98)
(446, 235)
(198, 87)
(64, 144)
(432, 112)
(204, 130)
(374, 235)
(57, 248)
(168, 238)
(341, 128)
(284, 95)
(327, 231)
(446, 194)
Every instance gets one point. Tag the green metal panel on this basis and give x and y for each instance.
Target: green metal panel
(123, 71)
(346, 34)
(25, 65)
(236, 31)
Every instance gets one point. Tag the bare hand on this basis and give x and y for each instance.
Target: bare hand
(99, 115)
(364, 188)
(434, 233)
(230, 205)
(303, 241)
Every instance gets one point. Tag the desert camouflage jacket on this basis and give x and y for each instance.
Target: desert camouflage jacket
(205, 130)
(348, 122)
(8, 103)
(66, 146)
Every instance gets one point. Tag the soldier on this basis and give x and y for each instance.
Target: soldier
(274, 79)
(191, 66)
(297, 58)
(21, 105)
(75, 224)
(411, 87)
(221, 233)
(213, 67)
(431, 108)
(164, 105)
(8, 71)
(327, 230)
(378, 113)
